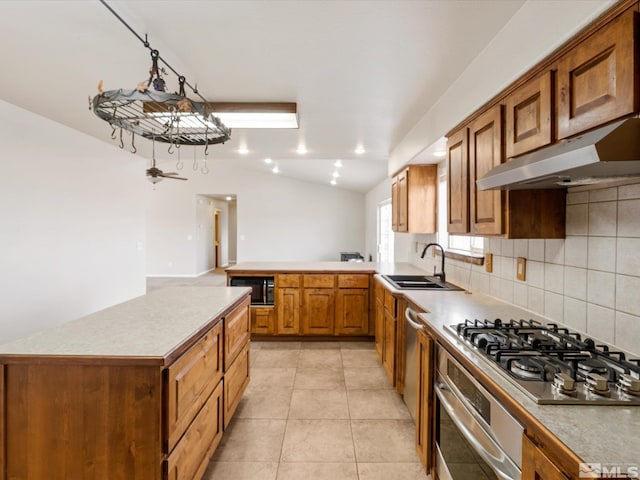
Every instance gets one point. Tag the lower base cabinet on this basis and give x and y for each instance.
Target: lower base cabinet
(190, 458)
(263, 320)
(536, 465)
(236, 379)
(425, 400)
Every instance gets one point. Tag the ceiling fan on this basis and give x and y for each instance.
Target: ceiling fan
(154, 174)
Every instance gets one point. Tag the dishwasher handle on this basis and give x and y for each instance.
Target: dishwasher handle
(476, 435)
(409, 314)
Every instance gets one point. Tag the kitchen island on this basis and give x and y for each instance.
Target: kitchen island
(139, 390)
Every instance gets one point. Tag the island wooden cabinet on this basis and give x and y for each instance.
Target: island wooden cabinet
(536, 465)
(78, 416)
(597, 80)
(425, 399)
(458, 181)
(414, 196)
(530, 116)
(379, 318)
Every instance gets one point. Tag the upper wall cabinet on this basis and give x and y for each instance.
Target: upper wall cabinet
(596, 81)
(529, 116)
(485, 153)
(414, 197)
(458, 181)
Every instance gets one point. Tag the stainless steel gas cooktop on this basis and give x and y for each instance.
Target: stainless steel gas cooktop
(554, 365)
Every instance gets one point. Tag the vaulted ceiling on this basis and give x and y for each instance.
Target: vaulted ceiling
(362, 72)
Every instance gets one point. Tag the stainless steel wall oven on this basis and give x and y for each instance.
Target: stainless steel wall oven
(475, 436)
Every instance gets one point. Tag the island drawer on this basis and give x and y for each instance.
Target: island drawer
(236, 380)
(191, 456)
(237, 327)
(190, 381)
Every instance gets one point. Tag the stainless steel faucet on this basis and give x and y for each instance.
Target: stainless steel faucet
(440, 275)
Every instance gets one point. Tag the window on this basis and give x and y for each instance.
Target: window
(385, 233)
(462, 243)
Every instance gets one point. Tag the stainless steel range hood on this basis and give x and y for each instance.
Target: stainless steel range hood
(608, 153)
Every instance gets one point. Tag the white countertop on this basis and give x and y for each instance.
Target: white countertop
(333, 267)
(597, 434)
(152, 325)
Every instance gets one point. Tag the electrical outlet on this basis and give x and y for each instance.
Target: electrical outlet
(521, 269)
(488, 262)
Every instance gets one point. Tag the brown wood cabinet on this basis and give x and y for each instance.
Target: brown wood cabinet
(536, 465)
(288, 304)
(425, 399)
(119, 418)
(379, 319)
(414, 197)
(263, 320)
(458, 181)
(352, 305)
(530, 116)
(389, 336)
(485, 152)
(597, 80)
(514, 213)
(318, 311)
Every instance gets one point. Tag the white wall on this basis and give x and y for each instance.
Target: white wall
(72, 213)
(278, 219)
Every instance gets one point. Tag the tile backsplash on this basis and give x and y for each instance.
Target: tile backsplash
(590, 281)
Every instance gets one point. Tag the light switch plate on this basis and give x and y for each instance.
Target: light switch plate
(488, 262)
(521, 269)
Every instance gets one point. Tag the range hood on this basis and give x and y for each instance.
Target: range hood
(603, 155)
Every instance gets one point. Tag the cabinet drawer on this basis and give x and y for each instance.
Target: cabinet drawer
(236, 333)
(353, 281)
(190, 381)
(190, 458)
(319, 281)
(287, 281)
(390, 303)
(236, 380)
(263, 320)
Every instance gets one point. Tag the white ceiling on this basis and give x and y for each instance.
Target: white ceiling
(362, 72)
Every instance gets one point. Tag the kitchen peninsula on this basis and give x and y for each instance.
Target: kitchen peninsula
(318, 299)
(143, 389)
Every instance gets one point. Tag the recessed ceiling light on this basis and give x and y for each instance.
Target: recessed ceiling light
(275, 169)
(439, 153)
(338, 164)
(333, 181)
(243, 150)
(228, 199)
(267, 161)
(335, 174)
(301, 150)
(360, 150)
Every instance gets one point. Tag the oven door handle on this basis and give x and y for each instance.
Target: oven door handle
(486, 446)
(410, 320)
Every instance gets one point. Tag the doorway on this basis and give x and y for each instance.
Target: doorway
(216, 238)
(385, 233)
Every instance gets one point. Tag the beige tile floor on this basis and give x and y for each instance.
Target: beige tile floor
(313, 411)
(317, 411)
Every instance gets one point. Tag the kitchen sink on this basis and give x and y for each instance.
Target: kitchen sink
(418, 282)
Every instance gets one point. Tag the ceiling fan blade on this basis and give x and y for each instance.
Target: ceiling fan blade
(170, 173)
(164, 175)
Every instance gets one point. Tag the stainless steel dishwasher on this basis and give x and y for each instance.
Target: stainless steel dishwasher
(411, 360)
